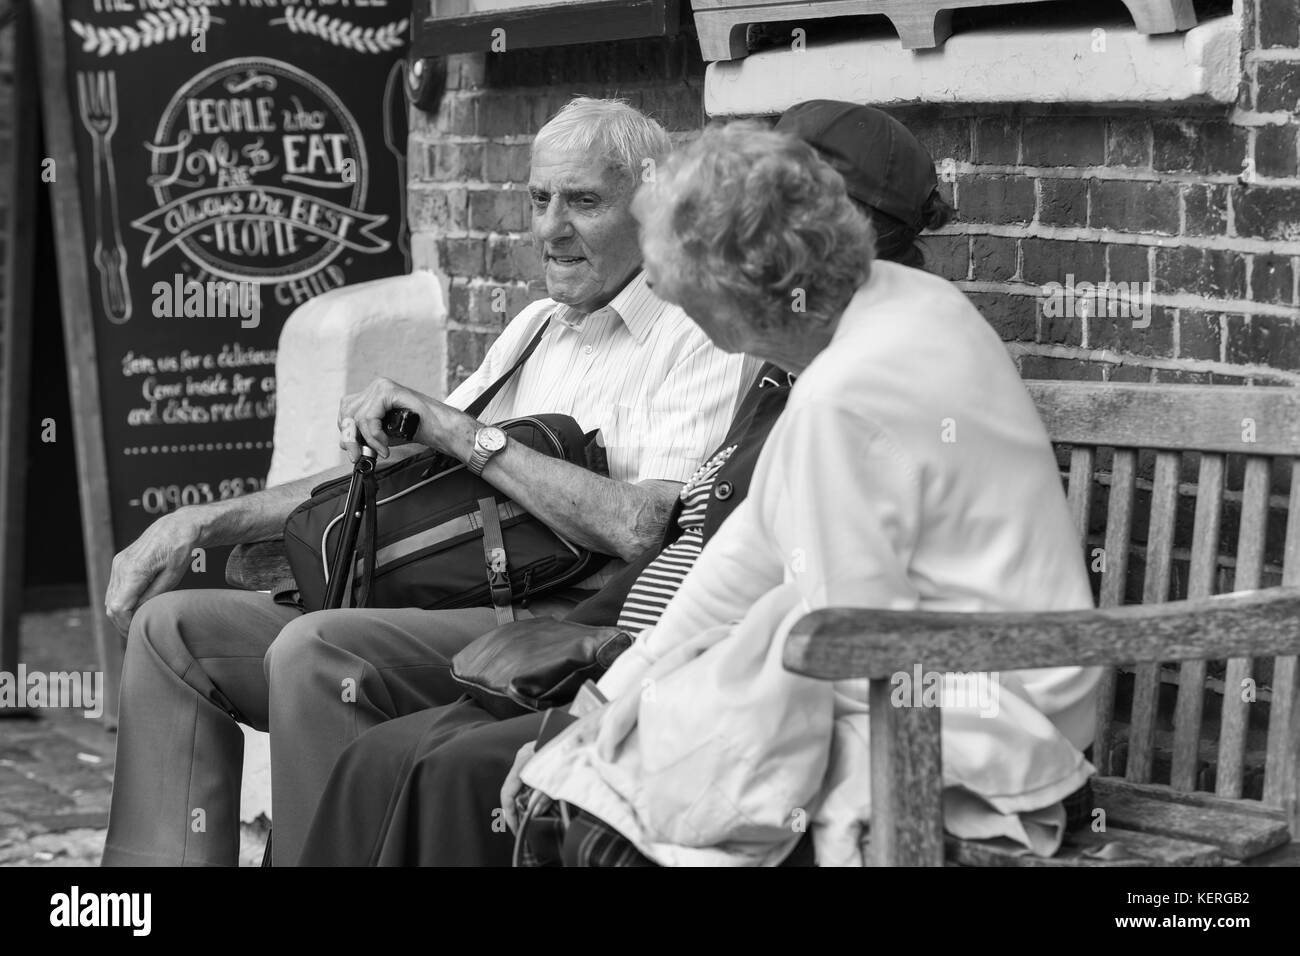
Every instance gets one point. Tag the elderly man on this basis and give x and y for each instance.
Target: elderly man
(613, 356)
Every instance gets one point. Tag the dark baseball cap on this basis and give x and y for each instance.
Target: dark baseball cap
(883, 164)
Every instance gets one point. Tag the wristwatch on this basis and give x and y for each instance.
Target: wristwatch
(487, 442)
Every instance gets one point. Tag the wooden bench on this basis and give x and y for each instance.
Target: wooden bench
(921, 24)
(1165, 460)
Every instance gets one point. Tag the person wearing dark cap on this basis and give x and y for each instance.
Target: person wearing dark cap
(885, 168)
(424, 789)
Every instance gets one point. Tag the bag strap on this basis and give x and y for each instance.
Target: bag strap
(475, 408)
(494, 553)
(367, 544)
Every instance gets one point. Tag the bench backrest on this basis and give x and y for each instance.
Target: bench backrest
(1169, 463)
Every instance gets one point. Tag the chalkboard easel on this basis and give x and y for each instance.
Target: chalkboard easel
(215, 167)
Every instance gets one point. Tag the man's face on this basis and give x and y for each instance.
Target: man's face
(583, 226)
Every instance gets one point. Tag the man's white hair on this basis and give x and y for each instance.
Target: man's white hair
(609, 128)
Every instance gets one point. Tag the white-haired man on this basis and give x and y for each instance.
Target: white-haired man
(613, 356)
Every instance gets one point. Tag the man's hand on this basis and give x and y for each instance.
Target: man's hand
(442, 427)
(510, 789)
(155, 562)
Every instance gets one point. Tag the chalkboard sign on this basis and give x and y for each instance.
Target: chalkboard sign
(235, 160)
(214, 166)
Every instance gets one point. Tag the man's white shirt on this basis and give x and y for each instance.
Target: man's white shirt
(639, 370)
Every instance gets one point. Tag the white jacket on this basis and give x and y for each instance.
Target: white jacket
(908, 471)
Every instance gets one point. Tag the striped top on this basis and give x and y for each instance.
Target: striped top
(657, 584)
(639, 370)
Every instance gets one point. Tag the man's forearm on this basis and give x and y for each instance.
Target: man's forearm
(612, 517)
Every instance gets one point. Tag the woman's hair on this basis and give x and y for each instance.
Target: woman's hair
(897, 241)
(609, 128)
(760, 217)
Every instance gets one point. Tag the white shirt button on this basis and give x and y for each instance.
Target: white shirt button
(588, 349)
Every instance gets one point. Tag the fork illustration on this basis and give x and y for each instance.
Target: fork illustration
(97, 94)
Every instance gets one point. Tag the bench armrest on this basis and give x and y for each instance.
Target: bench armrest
(841, 643)
(906, 756)
(259, 566)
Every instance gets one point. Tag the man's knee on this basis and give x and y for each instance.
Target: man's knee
(302, 651)
(158, 631)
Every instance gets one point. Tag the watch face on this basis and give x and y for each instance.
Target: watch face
(491, 439)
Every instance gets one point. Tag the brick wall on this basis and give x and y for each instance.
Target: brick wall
(1203, 203)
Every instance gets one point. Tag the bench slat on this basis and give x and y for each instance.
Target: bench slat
(1250, 571)
(1238, 835)
(1282, 767)
(1206, 418)
(1155, 590)
(1201, 579)
(1107, 788)
(1138, 850)
(1119, 524)
(1079, 490)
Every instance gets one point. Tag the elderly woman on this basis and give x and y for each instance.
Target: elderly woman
(908, 470)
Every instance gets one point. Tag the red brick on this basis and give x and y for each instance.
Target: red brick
(1013, 317)
(994, 258)
(1210, 147)
(458, 302)
(443, 210)
(453, 161)
(1206, 209)
(1063, 141)
(1063, 202)
(1128, 143)
(1051, 260)
(462, 257)
(944, 137)
(1176, 376)
(1129, 373)
(1200, 335)
(498, 210)
(465, 351)
(1046, 367)
(995, 199)
(512, 259)
(1263, 340)
(1120, 334)
(1135, 206)
(1267, 212)
(1279, 24)
(1279, 86)
(457, 114)
(997, 140)
(1272, 280)
(504, 114)
(1275, 151)
(1059, 328)
(1220, 273)
(506, 164)
(947, 256)
(1128, 263)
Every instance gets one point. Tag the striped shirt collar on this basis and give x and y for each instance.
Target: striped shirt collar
(635, 304)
